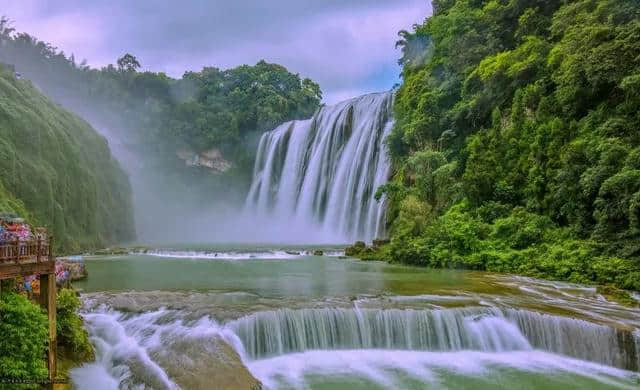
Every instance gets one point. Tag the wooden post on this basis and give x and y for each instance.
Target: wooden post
(38, 249)
(48, 301)
(51, 248)
(17, 251)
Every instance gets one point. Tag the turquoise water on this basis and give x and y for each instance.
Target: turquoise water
(305, 276)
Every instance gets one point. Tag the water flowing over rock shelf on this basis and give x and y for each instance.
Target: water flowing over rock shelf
(267, 334)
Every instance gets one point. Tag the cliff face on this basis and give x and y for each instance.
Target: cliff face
(211, 159)
(58, 172)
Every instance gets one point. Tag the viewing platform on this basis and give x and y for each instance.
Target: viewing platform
(23, 258)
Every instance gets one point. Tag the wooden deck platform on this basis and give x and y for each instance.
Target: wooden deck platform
(23, 258)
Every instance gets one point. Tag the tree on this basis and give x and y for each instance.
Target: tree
(5, 28)
(128, 63)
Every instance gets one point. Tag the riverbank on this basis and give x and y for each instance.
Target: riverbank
(614, 277)
(506, 157)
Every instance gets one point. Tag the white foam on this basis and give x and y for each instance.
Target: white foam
(232, 255)
(126, 342)
(93, 376)
(119, 341)
(430, 297)
(382, 366)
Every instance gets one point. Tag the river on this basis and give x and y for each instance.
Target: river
(208, 317)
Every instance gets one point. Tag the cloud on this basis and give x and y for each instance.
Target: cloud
(346, 46)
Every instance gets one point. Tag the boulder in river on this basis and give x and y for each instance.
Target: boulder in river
(197, 363)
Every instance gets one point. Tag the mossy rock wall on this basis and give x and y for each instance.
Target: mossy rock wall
(58, 172)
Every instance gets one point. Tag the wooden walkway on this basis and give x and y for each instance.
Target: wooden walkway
(24, 258)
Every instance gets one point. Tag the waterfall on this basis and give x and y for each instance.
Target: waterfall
(323, 172)
(272, 333)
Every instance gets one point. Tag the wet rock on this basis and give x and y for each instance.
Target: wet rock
(75, 266)
(197, 363)
(615, 294)
(377, 243)
(112, 251)
(357, 248)
(631, 355)
(211, 159)
(318, 252)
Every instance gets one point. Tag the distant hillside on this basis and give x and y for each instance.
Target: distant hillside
(58, 172)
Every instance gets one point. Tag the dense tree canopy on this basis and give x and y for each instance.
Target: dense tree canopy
(230, 104)
(516, 146)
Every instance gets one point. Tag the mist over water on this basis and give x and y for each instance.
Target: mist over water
(314, 181)
(165, 209)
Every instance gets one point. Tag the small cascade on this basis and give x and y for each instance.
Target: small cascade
(272, 333)
(577, 338)
(323, 173)
(159, 350)
(170, 349)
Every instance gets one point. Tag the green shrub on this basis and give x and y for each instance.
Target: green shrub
(23, 339)
(518, 242)
(71, 334)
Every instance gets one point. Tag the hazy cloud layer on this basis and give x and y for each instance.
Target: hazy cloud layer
(345, 45)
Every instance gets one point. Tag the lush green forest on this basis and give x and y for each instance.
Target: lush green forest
(516, 145)
(158, 115)
(56, 171)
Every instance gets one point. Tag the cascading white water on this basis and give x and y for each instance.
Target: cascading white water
(323, 172)
(283, 331)
(148, 349)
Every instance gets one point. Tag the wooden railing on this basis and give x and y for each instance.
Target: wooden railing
(34, 250)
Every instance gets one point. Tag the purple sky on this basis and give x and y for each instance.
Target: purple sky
(345, 45)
